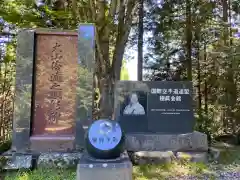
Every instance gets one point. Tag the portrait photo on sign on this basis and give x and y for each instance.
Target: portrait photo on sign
(135, 104)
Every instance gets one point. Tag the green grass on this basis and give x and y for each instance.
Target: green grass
(139, 173)
(229, 161)
(43, 174)
(146, 172)
(167, 171)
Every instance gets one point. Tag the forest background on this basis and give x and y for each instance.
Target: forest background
(174, 40)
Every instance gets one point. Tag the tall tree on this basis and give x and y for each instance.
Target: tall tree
(189, 39)
(112, 28)
(113, 21)
(140, 38)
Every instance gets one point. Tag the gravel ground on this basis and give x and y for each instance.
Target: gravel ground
(219, 176)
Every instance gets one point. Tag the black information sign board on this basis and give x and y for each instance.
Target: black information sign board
(155, 106)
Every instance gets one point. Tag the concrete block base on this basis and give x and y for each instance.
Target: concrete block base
(115, 169)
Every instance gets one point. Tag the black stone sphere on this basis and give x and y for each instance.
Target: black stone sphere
(105, 139)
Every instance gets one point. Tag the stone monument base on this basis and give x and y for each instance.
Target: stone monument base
(158, 157)
(58, 159)
(193, 141)
(114, 169)
(16, 161)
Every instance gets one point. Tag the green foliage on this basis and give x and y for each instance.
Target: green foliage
(213, 62)
(3, 162)
(7, 80)
(26, 14)
(4, 146)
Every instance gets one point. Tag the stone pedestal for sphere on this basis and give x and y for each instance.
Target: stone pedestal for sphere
(105, 158)
(113, 169)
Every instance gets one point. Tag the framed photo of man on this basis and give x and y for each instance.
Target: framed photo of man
(135, 104)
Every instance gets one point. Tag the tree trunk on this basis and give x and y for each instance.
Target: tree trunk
(189, 40)
(226, 111)
(126, 13)
(197, 39)
(140, 39)
(109, 32)
(205, 83)
(230, 91)
(106, 102)
(233, 86)
(225, 21)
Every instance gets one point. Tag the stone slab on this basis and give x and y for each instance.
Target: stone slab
(158, 157)
(152, 157)
(49, 144)
(193, 156)
(194, 141)
(86, 68)
(114, 169)
(17, 162)
(60, 160)
(23, 95)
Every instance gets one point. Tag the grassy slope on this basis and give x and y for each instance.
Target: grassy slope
(229, 161)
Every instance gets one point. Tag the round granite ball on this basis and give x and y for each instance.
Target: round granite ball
(105, 139)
